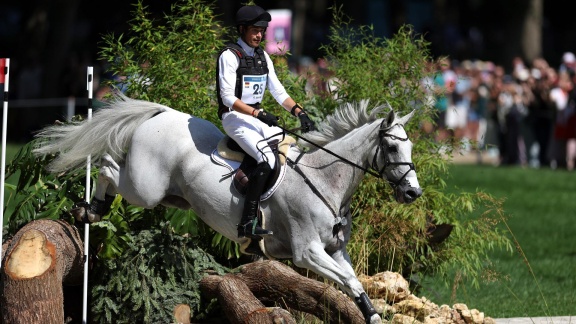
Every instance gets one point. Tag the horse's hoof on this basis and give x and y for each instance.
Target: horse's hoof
(375, 319)
(82, 213)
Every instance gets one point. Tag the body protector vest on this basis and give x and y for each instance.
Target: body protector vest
(251, 77)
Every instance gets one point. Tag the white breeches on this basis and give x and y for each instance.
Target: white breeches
(252, 135)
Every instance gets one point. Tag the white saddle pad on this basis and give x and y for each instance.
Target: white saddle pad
(234, 165)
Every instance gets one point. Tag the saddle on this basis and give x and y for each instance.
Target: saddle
(241, 165)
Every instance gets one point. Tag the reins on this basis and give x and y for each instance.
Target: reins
(327, 151)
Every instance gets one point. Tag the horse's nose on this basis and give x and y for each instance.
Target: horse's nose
(412, 194)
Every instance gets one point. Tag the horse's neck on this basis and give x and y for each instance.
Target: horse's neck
(338, 179)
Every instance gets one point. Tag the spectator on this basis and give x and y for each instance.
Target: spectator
(568, 63)
(540, 119)
(564, 127)
(510, 112)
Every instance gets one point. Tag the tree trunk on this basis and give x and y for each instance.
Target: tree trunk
(275, 283)
(298, 28)
(532, 31)
(41, 257)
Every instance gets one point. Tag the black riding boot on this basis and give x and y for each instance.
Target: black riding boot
(248, 226)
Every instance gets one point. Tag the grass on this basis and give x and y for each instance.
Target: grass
(539, 280)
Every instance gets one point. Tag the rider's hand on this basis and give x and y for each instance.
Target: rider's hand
(305, 123)
(267, 118)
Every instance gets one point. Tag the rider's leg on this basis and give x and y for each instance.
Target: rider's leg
(251, 135)
(249, 226)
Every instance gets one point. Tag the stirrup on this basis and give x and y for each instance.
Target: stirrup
(252, 230)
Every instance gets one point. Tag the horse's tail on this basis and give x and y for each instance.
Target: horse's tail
(109, 131)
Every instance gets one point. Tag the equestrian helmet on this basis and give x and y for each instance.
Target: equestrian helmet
(252, 16)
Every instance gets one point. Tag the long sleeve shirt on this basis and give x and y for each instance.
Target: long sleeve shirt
(228, 64)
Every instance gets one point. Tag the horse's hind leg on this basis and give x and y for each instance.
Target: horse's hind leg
(106, 184)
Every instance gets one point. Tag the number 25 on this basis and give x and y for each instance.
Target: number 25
(258, 89)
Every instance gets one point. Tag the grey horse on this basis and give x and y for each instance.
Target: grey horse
(152, 154)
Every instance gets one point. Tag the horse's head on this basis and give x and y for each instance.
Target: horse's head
(393, 158)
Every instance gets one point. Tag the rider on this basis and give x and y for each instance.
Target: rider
(243, 72)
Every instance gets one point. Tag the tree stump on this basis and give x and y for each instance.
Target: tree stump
(40, 258)
(246, 291)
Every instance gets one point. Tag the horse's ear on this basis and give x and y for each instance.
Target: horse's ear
(406, 118)
(390, 118)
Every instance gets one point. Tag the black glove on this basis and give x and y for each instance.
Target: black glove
(305, 123)
(267, 118)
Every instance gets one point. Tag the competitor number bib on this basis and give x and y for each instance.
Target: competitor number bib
(253, 87)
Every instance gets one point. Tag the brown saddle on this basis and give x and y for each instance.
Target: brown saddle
(229, 149)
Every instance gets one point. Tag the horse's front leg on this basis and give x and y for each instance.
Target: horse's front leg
(104, 194)
(343, 259)
(314, 257)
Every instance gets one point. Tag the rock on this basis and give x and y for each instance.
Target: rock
(489, 320)
(404, 319)
(467, 316)
(445, 312)
(477, 316)
(460, 307)
(413, 307)
(456, 317)
(382, 306)
(388, 285)
(435, 320)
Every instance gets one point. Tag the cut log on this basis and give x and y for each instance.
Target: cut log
(182, 314)
(240, 305)
(40, 258)
(274, 283)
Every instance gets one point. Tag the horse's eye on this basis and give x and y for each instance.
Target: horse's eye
(393, 149)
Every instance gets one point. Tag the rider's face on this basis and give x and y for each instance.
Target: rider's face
(252, 35)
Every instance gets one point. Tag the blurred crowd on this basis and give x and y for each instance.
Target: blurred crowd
(525, 116)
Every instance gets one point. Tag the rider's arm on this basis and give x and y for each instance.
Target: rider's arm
(277, 89)
(227, 66)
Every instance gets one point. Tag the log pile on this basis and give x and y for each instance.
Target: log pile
(244, 293)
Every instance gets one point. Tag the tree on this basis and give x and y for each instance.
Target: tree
(532, 31)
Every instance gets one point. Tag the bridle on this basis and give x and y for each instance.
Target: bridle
(387, 163)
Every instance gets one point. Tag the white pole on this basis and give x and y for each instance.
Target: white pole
(6, 73)
(87, 198)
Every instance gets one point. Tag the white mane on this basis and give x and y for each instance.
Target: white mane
(346, 118)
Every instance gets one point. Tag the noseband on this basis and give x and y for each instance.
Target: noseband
(382, 133)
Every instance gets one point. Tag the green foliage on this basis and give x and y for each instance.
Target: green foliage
(38, 194)
(369, 67)
(158, 271)
(387, 235)
(172, 60)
